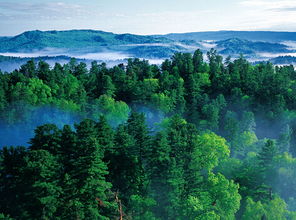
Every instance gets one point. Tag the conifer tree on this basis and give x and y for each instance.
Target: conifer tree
(126, 170)
(88, 176)
(199, 65)
(41, 189)
(137, 128)
(159, 166)
(266, 161)
(12, 189)
(68, 143)
(105, 134)
(47, 137)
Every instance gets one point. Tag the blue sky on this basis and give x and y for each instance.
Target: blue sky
(146, 16)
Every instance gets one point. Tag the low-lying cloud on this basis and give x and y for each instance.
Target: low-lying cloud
(273, 55)
(102, 56)
(19, 133)
(291, 44)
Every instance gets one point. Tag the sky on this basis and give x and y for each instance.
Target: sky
(146, 16)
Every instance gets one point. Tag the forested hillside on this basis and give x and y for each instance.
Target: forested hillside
(107, 46)
(270, 36)
(72, 39)
(217, 140)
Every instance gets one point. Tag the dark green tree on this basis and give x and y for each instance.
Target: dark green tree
(47, 137)
(41, 189)
(91, 190)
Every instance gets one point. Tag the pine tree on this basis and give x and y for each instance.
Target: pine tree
(159, 165)
(266, 161)
(267, 154)
(126, 170)
(68, 143)
(199, 65)
(29, 69)
(105, 134)
(108, 87)
(47, 137)
(91, 189)
(12, 190)
(137, 128)
(41, 189)
(176, 134)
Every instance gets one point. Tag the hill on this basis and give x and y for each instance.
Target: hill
(236, 46)
(271, 36)
(283, 60)
(84, 41)
(106, 46)
(72, 39)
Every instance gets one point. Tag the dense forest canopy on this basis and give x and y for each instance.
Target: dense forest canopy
(224, 148)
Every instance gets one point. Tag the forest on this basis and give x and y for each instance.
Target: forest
(197, 137)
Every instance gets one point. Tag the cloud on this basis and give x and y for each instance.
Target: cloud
(276, 15)
(288, 9)
(105, 56)
(278, 5)
(32, 7)
(43, 11)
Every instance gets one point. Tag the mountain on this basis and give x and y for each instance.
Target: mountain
(283, 60)
(270, 36)
(86, 41)
(107, 46)
(73, 39)
(235, 46)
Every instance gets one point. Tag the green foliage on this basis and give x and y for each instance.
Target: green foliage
(141, 208)
(217, 199)
(5, 217)
(274, 209)
(162, 102)
(253, 210)
(210, 149)
(33, 92)
(42, 191)
(118, 166)
(115, 112)
(266, 158)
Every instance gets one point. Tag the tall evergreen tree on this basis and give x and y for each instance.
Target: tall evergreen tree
(47, 137)
(159, 166)
(105, 134)
(91, 190)
(266, 161)
(41, 190)
(12, 199)
(199, 65)
(126, 170)
(137, 128)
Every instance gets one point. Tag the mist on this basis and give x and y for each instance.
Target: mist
(274, 55)
(105, 56)
(290, 44)
(18, 122)
(208, 44)
(19, 131)
(51, 52)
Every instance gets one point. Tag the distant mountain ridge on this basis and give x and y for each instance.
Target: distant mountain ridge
(72, 39)
(270, 36)
(255, 45)
(246, 47)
